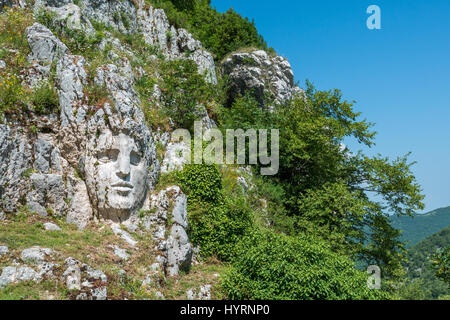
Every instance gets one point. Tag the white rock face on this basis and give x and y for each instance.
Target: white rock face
(174, 43)
(80, 210)
(12, 275)
(263, 74)
(3, 250)
(51, 227)
(121, 253)
(70, 76)
(174, 242)
(126, 18)
(35, 269)
(176, 156)
(124, 235)
(36, 255)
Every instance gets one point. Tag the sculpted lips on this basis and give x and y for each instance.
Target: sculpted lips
(123, 187)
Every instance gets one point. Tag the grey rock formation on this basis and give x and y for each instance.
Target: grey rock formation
(202, 293)
(124, 235)
(121, 253)
(268, 78)
(124, 16)
(175, 245)
(18, 274)
(174, 43)
(37, 267)
(70, 77)
(45, 47)
(176, 156)
(80, 276)
(15, 160)
(36, 255)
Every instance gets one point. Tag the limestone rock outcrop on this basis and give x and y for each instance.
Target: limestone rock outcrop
(36, 265)
(128, 18)
(171, 211)
(268, 78)
(96, 162)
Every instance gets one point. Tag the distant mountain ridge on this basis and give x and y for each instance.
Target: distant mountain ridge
(422, 225)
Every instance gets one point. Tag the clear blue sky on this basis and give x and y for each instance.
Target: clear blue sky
(399, 76)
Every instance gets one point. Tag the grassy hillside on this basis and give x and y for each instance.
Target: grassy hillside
(419, 265)
(422, 225)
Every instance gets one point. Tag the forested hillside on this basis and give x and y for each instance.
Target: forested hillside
(420, 226)
(420, 269)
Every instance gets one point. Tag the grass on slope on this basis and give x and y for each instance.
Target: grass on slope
(94, 246)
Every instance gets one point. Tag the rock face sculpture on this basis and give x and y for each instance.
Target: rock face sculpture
(94, 163)
(117, 174)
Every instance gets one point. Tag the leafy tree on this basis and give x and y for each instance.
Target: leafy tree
(184, 4)
(330, 190)
(441, 263)
(412, 290)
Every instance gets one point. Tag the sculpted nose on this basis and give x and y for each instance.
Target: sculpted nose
(123, 166)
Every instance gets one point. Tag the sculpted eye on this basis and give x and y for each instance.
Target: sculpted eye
(108, 155)
(135, 158)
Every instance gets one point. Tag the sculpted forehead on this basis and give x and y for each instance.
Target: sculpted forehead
(122, 141)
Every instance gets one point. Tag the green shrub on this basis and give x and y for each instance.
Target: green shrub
(183, 90)
(278, 267)
(45, 99)
(12, 94)
(217, 219)
(244, 113)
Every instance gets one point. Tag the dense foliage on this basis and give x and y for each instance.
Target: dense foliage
(218, 218)
(441, 264)
(276, 266)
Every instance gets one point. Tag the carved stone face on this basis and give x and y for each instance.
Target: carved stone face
(119, 174)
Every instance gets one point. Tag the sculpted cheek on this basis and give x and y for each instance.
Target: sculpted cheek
(139, 178)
